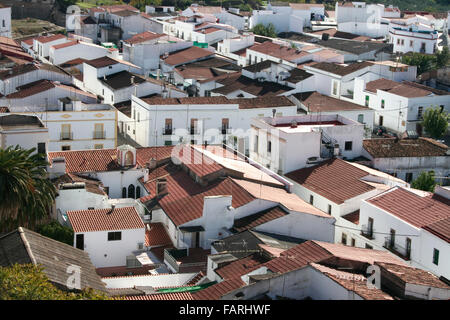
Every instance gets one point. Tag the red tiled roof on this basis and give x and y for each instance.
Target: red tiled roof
(297, 257)
(32, 89)
(352, 217)
(405, 89)
(440, 229)
(259, 218)
(105, 219)
(28, 41)
(45, 39)
(161, 153)
(240, 267)
(163, 296)
(102, 62)
(65, 45)
(339, 69)
(157, 235)
(334, 179)
(144, 36)
(317, 102)
(410, 207)
(200, 164)
(278, 51)
(412, 275)
(187, 55)
(391, 147)
(216, 291)
(88, 160)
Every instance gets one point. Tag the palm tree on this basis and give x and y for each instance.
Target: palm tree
(26, 193)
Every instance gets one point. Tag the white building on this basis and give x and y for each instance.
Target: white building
(5, 21)
(413, 37)
(74, 125)
(75, 49)
(26, 131)
(235, 48)
(24, 74)
(145, 49)
(407, 158)
(411, 224)
(108, 235)
(399, 106)
(275, 141)
(200, 119)
(314, 103)
(361, 18)
(339, 187)
(42, 45)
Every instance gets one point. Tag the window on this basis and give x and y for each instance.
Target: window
(99, 133)
(134, 114)
(255, 148)
(129, 158)
(408, 248)
(398, 41)
(139, 117)
(79, 241)
(368, 246)
(3, 24)
(367, 101)
(311, 199)
(98, 146)
(124, 192)
(115, 236)
(41, 147)
(335, 88)
(168, 126)
(138, 192)
(380, 120)
(329, 209)
(344, 239)
(353, 242)
(419, 112)
(360, 118)
(392, 239)
(207, 93)
(411, 43)
(348, 145)
(269, 146)
(66, 134)
(435, 256)
(408, 177)
(131, 193)
(382, 103)
(168, 142)
(194, 126)
(65, 148)
(225, 125)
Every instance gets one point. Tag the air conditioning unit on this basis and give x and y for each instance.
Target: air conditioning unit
(140, 246)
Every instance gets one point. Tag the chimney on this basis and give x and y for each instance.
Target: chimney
(113, 206)
(161, 187)
(59, 165)
(152, 163)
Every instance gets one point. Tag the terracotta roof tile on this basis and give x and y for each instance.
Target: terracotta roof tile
(105, 219)
(163, 296)
(143, 37)
(390, 148)
(316, 102)
(352, 217)
(410, 207)
(405, 89)
(341, 69)
(65, 45)
(259, 218)
(46, 39)
(101, 62)
(279, 51)
(88, 160)
(334, 179)
(240, 267)
(187, 55)
(440, 229)
(157, 235)
(32, 89)
(216, 291)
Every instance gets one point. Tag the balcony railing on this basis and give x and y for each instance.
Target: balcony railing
(393, 247)
(66, 136)
(367, 232)
(167, 131)
(99, 134)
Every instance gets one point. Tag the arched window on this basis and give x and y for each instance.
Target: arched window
(124, 192)
(129, 158)
(138, 192)
(131, 193)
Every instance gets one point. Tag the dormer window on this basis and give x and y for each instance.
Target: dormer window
(129, 158)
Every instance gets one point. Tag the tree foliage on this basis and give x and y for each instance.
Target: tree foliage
(29, 282)
(26, 193)
(425, 181)
(435, 122)
(443, 58)
(427, 62)
(262, 30)
(56, 231)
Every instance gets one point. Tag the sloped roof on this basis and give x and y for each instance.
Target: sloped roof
(258, 218)
(334, 179)
(339, 69)
(122, 79)
(187, 55)
(412, 208)
(240, 267)
(105, 219)
(391, 147)
(24, 246)
(405, 89)
(157, 235)
(317, 102)
(143, 37)
(440, 228)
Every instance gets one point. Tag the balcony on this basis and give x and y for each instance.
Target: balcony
(99, 135)
(393, 247)
(168, 131)
(66, 136)
(367, 232)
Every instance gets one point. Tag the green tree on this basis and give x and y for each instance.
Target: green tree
(262, 30)
(443, 58)
(56, 231)
(425, 181)
(29, 282)
(26, 193)
(435, 122)
(424, 62)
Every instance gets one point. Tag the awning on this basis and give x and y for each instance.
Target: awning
(192, 229)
